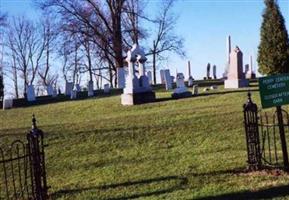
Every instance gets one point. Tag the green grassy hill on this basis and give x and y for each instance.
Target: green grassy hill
(191, 148)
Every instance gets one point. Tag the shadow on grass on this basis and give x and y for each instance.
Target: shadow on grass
(180, 184)
(268, 193)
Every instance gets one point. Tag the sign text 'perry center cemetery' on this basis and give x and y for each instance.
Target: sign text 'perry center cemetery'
(274, 90)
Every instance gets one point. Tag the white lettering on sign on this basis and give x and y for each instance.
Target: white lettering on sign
(279, 100)
(276, 85)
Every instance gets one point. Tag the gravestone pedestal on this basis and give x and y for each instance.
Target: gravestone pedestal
(239, 83)
(138, 98)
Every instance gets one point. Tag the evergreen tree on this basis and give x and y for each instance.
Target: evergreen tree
(273, 52)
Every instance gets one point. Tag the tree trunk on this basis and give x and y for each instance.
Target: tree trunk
(154, 69)
(154, 63)
(15, 79)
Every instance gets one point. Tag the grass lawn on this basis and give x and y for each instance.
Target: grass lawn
(191, 148)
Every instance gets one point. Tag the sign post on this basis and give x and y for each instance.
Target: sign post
(274, 91)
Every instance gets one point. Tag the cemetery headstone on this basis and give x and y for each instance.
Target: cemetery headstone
(49, 90)
(90, 92)
(190, 78)
(106, 88)
(172, 79)
(236, 77)
(74, 93)
(120, 77)
(78, 88)
(250, 74)
(30, 93)
(228, 52)
(208, 71)
(214, 71)
(168, 79)
(54, 94)
(246, 68)
(150, 77)
(195, 89)
(68, 88)
(7, 103)
(181, 91)
(162, 74)
(137, 90)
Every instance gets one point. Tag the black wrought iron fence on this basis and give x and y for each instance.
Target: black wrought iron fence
(22, 168)
(263, 138)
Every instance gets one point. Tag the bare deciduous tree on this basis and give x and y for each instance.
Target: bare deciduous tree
(27, 46)
(165, 40)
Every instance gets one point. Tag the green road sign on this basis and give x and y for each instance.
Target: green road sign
(274, 90)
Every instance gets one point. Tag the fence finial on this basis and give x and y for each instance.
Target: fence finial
(33, 122)
(249, 96)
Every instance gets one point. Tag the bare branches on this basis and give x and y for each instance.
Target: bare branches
(165, 39)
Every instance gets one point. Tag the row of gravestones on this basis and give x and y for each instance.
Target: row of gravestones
(71, 91)
(137, 88)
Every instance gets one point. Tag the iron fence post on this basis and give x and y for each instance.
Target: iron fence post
(37, 162)
(250, 110)
(282, 137)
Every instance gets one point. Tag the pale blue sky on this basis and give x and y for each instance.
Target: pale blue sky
(204, 24)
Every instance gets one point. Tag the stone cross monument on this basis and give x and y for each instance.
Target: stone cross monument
(137, 89)
(236, 77)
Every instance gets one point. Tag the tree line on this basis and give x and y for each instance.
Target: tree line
(83, 40)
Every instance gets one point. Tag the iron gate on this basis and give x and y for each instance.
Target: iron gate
(22, 168)
(264, 148)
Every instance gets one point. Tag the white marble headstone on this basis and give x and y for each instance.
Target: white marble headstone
(120, 77)
(49, 90)
(150, 77)
(162, 74)
(90, 88)
(190, 81)
(180, 81)
(7, 103)
(54, 94)
(30, 93)
(196, 90)
(74, 93)
(168, 79)
(106, 88)
(68, 88)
